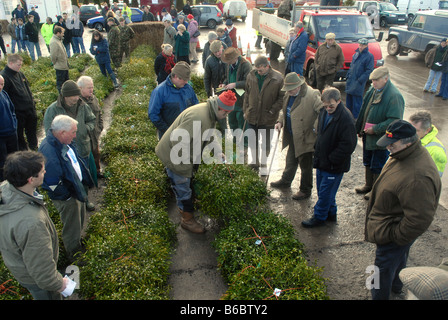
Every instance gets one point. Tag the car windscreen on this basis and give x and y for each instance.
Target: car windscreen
(348, 28)
(387, 6)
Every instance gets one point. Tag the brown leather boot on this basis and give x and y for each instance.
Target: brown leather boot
(188, 222)
(374, 177)
(369, 182)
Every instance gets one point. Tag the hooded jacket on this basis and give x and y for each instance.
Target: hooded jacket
(360, 68)
(435, 149)
(28, 239)
(191, 124)
(404, 198)
(86, 123)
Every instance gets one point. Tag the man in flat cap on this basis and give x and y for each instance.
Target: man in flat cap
(382, 104)
(360, 69)
(403, 203)
(301, 106)
(171, 97)
(214, 68)
(180, 150)
(328, 60)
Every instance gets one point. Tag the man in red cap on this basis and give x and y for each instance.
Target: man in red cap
(180, 149)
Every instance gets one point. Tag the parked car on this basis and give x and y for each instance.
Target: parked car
(210, 15)
(235, 9)
(389, 14)
(426, 31)
(87, 11)
(99, 23)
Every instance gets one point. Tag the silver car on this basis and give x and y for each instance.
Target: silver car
(208, 15)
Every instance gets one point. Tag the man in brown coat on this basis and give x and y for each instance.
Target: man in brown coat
(263, 101)
(402, 206)
(328, 60)
(301, 106)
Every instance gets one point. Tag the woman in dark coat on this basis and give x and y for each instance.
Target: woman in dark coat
(182, 44)
(99, 47)
(164, 62)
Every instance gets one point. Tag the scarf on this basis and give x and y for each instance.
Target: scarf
(298, 33)
(169, 62)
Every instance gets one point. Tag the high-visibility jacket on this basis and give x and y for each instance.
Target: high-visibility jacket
(435, 149)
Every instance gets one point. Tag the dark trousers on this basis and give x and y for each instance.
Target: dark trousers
(374, 159)
(61, 77)
(7, 145)
(305, 161)
(390, 260)
(323, 81)
(261, 152)
(27, 126)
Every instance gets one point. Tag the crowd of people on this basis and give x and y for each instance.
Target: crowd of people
(403, 160)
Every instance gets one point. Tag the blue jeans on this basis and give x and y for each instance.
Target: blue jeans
(107, 67)
(78, 45)
(327, 186)
(390, 260)
(31, 46)
(444, 86)
(13, 45)
(374, 159)
(67, 48)
(182, 189)
(41, 294)
(22, 45)
(434, 78)
(353, 103)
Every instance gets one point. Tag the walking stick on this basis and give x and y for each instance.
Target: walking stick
(273, 155)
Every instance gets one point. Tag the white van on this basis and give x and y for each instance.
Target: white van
(234, 9)
(410, 7)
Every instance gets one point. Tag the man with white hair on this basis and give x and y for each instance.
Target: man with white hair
(329, 58)
(66, 175)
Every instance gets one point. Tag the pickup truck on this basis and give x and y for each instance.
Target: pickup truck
(347, 23)
(426, 31)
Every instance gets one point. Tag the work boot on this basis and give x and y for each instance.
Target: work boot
(280, 184)
(301, 196)
(369, 182)
(188, 222)
(374, 177)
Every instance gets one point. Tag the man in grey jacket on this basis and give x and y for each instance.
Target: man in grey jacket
(28, 237)
(59, 56)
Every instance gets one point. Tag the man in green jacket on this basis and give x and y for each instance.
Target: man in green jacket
(427, 133)
(47, 32)
(28, 239)
(382, 104)
(181, 147)
(403, 203)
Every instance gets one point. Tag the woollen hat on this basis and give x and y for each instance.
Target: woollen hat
(70, 89)
(379, 73)
(230, 54)
(363, 41)
(229, 22)
(190, 17)
(397, 130)
(330, 35)
(182, 70)
(227, 100)
(215, 46)
(292, 81)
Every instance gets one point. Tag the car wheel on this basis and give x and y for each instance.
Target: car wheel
(383, 23)
(211, 24)
(243, 19)
(311, 76)
(98, 26)
(393, 47)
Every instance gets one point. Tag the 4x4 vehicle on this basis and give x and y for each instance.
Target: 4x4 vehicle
(234, 9)
(87, 11)
(388, 13)
(426, 31)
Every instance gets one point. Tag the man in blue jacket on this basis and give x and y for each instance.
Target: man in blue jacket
(360, 68)
(335, 143)
(297, 51)
(66, 175)
(171, 97)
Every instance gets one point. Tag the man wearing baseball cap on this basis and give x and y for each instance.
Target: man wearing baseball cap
(180, 150)
(403, 203)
